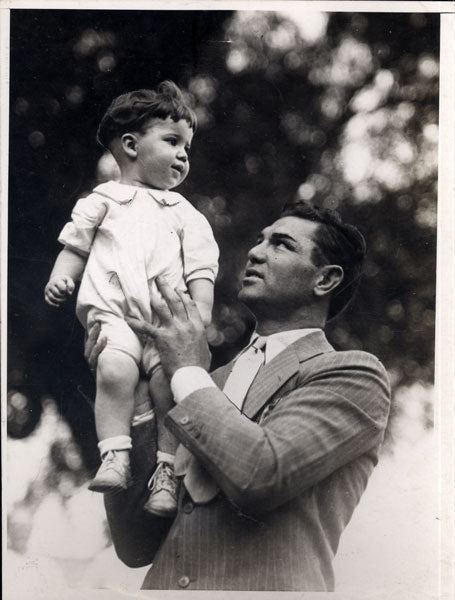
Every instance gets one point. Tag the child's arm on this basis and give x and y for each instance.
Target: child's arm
(68, 267)
(201, 290)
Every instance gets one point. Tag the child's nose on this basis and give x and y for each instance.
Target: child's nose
(182, 155)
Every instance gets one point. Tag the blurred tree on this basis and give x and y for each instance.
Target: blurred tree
(347, 119)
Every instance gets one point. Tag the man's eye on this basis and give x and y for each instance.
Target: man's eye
(283, 243)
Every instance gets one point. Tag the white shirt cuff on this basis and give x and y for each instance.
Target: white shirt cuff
(187, 380)
(201, 274)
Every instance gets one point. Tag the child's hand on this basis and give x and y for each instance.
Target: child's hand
(58, 289)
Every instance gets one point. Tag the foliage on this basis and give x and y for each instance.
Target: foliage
(346, 120)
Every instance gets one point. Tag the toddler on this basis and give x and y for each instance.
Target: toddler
(120, 238)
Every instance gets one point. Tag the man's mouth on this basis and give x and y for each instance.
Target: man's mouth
(251, 272)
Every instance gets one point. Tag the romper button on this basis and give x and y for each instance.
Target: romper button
(184, 581)
(188, 507)
(184, 420)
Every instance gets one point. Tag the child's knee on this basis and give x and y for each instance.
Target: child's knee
(116, 368)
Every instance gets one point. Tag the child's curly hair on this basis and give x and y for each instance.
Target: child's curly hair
(132, 111)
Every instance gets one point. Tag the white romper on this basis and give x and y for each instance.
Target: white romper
(130, 236)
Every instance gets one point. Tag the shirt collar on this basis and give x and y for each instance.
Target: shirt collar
(124, 193)
(277, 342)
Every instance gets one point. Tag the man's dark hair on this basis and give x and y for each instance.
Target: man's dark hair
(132, 111)
(337, 243)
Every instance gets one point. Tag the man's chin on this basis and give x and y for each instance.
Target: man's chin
(248, 294)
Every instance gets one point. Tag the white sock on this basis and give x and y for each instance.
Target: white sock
(118, 442)
(165, 457)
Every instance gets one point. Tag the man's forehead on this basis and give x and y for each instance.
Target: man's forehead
(295, 227)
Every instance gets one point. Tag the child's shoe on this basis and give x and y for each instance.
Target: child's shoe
(113, 475)
(163, 492)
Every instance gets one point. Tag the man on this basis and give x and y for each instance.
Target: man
(273, 472)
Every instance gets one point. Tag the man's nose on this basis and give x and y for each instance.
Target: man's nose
(257, 253)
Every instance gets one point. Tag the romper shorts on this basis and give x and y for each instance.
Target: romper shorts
(121, 338)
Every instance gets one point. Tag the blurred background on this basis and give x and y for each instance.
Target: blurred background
(338, 109)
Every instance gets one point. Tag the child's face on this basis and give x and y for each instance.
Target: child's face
(162, 153)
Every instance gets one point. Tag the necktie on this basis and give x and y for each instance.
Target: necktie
(244, 371)
(198, 482)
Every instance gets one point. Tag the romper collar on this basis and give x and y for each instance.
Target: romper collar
(123, 193)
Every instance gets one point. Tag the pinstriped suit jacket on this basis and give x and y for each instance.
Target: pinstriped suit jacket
(291, 469)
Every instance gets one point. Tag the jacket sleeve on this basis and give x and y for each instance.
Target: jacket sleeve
(336, 412)
(79, 233)
(136, 535)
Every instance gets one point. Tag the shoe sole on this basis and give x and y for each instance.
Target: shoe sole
(103, 489)
(157, 512)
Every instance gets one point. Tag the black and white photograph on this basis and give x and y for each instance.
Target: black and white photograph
(221, 232)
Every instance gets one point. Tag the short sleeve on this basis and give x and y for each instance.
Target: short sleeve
(200, 251)
(79, 233)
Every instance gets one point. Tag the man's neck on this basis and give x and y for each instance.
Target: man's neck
(269, 326)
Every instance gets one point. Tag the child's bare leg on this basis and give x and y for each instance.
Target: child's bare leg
(117, 377)
(162, 401)
(163, 485)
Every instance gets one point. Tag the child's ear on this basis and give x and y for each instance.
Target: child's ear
(129, 144)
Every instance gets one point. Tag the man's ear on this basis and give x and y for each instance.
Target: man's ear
(328, 278)
(129, 144)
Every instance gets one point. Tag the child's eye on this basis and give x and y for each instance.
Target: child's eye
(172, 141)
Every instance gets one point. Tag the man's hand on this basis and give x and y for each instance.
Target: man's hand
(180, 337)
(94, 346)
(58, 289)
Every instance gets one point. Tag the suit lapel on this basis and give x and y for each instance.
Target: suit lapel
(220, 375)
(272, 376)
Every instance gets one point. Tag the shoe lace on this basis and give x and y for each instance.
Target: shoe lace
(109, 457)
(163, 479)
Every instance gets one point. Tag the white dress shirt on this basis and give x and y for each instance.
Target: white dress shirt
(187, 380)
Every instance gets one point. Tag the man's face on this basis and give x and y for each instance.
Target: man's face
(280, 273)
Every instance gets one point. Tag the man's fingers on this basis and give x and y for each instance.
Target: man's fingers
(141, 327)
(190, 307)
(97, 349)
(160, 309)
(172, 299)
(94, 345)
(91, 340)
